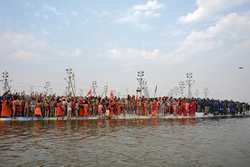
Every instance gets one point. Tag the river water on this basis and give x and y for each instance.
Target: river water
(185, 142)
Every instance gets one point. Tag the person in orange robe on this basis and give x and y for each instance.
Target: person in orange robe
(193, 108)
(143, 105)
(100, 109)
(137, 106)
(179, 108)
(149, 107)
(131, 106)
(81, 107)
(38, 111)
(174, 106)
(13, 106)
(6, 112)
(58, 110)
(18, 107)
(111, 109)
(86, 109)
(122, 107)
(186, 109)
(154, 108)
(118, 108)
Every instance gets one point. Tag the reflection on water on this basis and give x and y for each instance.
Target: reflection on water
(184, 142)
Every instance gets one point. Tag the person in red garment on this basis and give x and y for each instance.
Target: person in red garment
(174, 106)
(138, 105)
(154, 108)
(58, 109)
(193, 108)
(132, 105)
(118, 107)
(186, 109)
(143, 106)
(6, 111)
(179, 110)
(38, 111)
(100, 109)
(81, 107)
(18, 107)
(183, 111)
(111, 108)
(85, 109)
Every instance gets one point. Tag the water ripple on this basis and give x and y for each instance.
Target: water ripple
(223, 142)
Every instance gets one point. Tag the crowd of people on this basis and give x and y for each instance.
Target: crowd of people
(21, 105)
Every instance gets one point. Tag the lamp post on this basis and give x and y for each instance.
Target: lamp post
(140, 79)
(94, 87)
(47, 87)
(5, 80)
(189, 82)
(70, 79)
(181, 88)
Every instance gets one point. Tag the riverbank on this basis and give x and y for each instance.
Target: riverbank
(153, 142)
(127, 117)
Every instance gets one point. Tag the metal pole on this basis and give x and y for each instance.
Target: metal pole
(181, 88)
(189, 83)
(70, 79)
(94, 86)
(6, 82)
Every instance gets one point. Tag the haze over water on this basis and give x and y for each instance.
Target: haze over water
(186, 142)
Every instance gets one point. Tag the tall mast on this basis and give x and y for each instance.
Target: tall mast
(181, 85)
(94, 87)
(47, 88)
(5, 81)
(142, 88)
(105, 90)
(189, 82)
(70, 79)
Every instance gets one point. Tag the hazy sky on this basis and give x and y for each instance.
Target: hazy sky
(109, 41)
